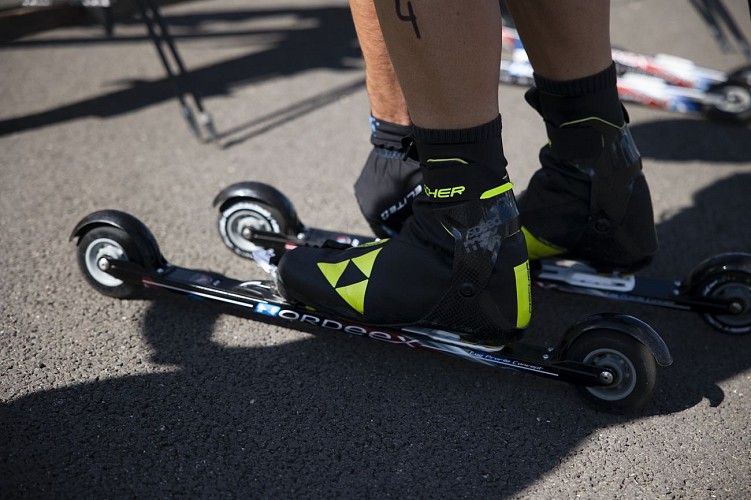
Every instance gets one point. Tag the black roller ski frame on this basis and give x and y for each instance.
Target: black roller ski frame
(719, 288)
(611, 358)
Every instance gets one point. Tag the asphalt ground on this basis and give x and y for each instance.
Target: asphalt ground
(167, 398)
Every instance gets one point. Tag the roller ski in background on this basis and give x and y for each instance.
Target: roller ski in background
(661, 81)
(611, 358)
(257, 221)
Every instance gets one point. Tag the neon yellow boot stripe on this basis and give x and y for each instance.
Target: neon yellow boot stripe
(441, 160)
(537, 249)
(523, 294)
(592, 118)
(496, 191)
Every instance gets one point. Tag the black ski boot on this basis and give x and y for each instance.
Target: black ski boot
(590, 200)
(459, 263)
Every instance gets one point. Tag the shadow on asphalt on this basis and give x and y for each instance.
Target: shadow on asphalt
(329, 42)
(692, 139)
(338, 415)
(322, 38)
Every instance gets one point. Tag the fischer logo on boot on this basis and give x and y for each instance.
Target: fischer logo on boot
(447, 192)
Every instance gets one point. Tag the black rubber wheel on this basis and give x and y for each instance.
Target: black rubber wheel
(631, 365)
(108, 241)
(729, 101)
(237, 216)
(735, 287)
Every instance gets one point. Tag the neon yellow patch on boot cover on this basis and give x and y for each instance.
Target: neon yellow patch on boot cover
(538, 249)
(523, 294)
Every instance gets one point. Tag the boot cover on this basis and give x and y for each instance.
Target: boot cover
(390, 178)
(590, 200)
(388, 184)
(459, 264)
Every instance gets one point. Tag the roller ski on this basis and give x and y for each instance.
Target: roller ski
(257, 221)
(610, 358)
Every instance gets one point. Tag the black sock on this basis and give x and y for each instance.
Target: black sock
(562, 102)
(471, 158)
(479, 145)
(603, 80)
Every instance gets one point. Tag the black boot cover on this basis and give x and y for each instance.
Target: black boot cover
(390, 179)
(459, 264)
(590, 200)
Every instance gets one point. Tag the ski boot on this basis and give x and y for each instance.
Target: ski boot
(590, 200)
(458, 264)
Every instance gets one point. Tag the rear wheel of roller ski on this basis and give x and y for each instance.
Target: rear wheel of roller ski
(94, 249)
(255, 217)
(725, 278)
(237, 220)
(248, 207)
(629, 369)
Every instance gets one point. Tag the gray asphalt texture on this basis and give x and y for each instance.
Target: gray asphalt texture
(103, 398)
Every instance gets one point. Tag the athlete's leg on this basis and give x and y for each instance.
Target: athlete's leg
(590, 199)
(564, 39)
(447, 56)
(386, 99)
(460, 261)
(390, 179)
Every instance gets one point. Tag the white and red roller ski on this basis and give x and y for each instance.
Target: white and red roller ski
(661, 81)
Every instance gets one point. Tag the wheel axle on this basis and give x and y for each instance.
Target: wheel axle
(103, 264)
(606, 377)
(736, 308)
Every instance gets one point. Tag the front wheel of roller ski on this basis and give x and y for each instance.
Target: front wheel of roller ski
(729, 101)
(629, 370)
(94, 250)
(249, 207)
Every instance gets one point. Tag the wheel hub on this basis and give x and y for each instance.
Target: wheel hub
(238, 223)
(606, 377)
(734, 100)
(103, 264)
(739, 296)
(618, 374)
(97, 258)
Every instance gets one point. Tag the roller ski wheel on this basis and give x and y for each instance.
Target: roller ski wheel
(721, 279)
(250, 207)
(734, 287)
(629, 369)
(98, 245)
(255, 218)
(238, 220)
(729, 101)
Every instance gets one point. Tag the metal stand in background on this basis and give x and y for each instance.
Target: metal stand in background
(203, 126)
(715, 14)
